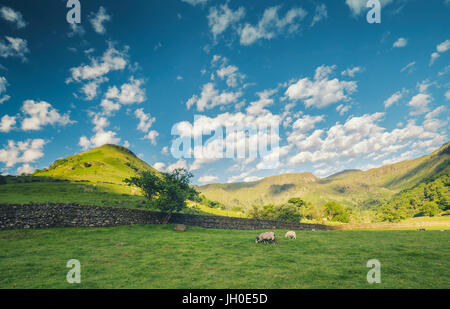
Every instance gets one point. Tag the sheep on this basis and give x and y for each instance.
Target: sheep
(267, 237)
(421, 229)
(291, 234)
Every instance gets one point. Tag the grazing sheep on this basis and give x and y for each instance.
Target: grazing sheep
(421, 229)
(267, 237)
(291, 235)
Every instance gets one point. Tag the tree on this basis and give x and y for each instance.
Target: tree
(3, 180)
(430, 209)
(167, 192)
(297, 202)
(336, 212)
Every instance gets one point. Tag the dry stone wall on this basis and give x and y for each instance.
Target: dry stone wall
(73, 215)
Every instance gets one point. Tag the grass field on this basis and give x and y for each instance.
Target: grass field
(155, 256)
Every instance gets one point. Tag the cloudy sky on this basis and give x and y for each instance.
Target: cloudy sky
(346, 94)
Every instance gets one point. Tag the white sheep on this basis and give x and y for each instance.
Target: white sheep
(267, 237)
(291, 234)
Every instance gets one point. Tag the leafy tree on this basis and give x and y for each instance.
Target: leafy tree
(168, 191)
(3, 180)
(285, 212)
(297, 202)
(430, 209)
(336, 212)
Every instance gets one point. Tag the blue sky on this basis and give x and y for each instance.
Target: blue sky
(346, 94)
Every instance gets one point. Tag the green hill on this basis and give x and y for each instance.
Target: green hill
(106, 164)
(94, 177)
(353, 188)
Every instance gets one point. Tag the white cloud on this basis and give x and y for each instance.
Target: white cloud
(195, 2)
(351, 72)
(14, 47)
(271, 25)
(208, 179)
(320, 14)
(25, 169)
(210, 98)
(7, 123)
(363, 136)
(394, 98)
(179, 164)
(10, 15)
(419, 103)
(101, 137)
(145, 120)
(151, 136)
(129, 93)
(409, 68)
(97, 20)
(22, 152)
(38, 114)
(440, 49)
(447, 95)
(111, 60)
(109, 106)
(321, 91)
(159, 166)
(4, 98)
(222, 17)
(401, 42)
(358, 6)
(231, 74)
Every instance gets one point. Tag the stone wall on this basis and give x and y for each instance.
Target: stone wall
(63, 215)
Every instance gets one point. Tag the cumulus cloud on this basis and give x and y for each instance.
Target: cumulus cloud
(351, 72)
(208, 179)
(364, 136)
(7, 123)
(401, 42)
(151, 136)
(14, 47)
(231, 74)
(270, 25)
(98, 19)
(145, 120)
(12, 16)
(419, 103)
(159, 166)
(111, 60)
(222, 17)
(129, 93)
(101, 136)
(39, 114)
(321, 91)
(210, 97)
(440, 49)
(25, 169)
(179, 164)
(22, 152)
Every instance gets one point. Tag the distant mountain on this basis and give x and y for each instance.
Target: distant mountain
(106, 164)
(352, 187)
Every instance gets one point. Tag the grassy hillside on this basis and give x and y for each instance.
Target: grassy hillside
(157, 257)
(94, 177)
(353, 188)
(106, 164)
